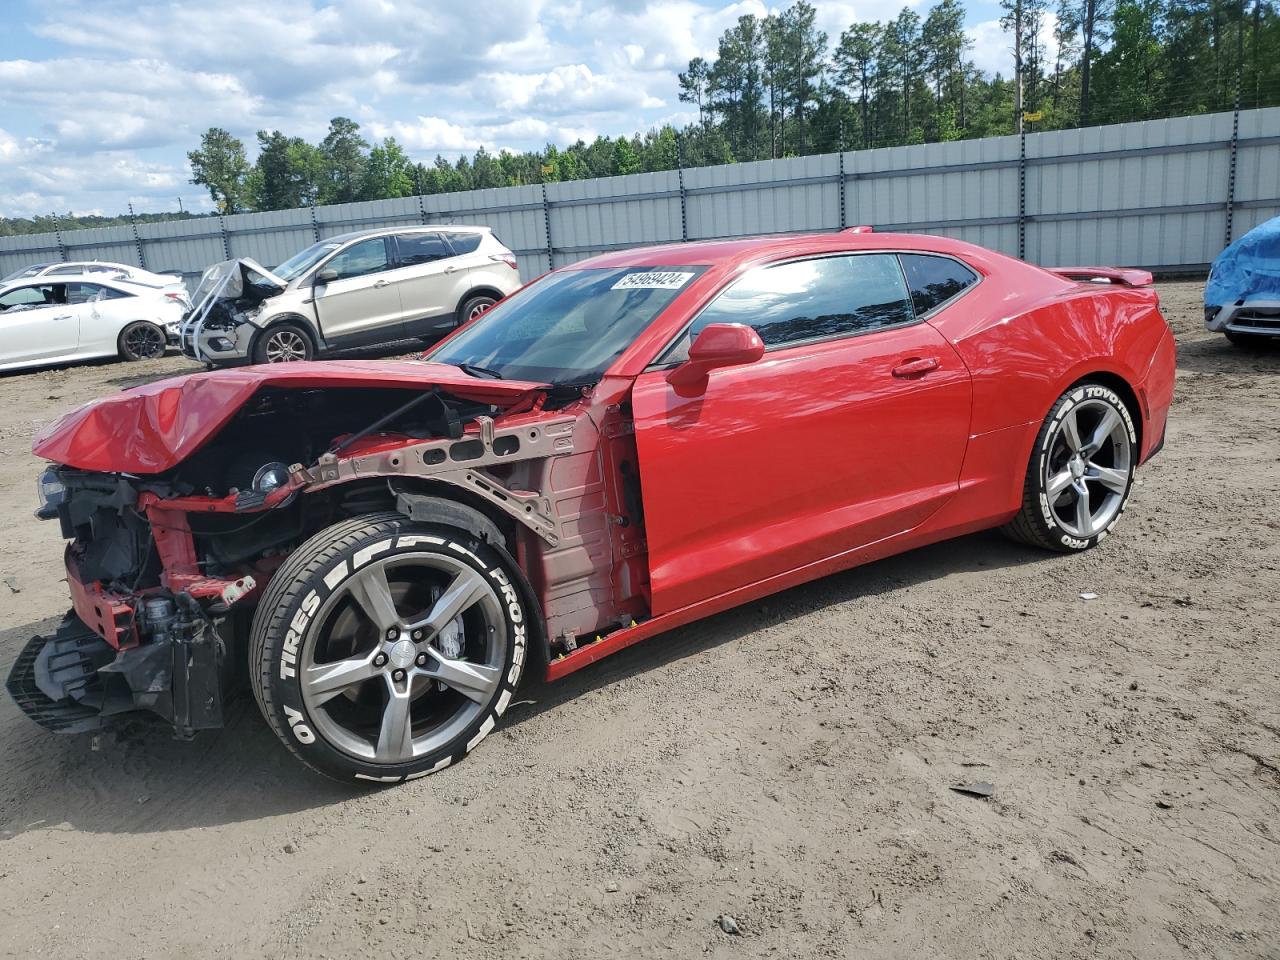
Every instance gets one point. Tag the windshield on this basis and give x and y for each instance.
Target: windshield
(24, 272)
(569, 326)
(304, 260)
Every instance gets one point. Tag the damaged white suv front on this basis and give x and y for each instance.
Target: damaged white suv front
(353, 290)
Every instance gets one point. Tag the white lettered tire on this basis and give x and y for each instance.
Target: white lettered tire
(385, 649)
(1081, 471)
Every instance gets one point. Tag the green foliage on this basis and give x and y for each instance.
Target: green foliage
(220, 165)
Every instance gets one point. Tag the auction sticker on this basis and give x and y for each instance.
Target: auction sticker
(653, 280)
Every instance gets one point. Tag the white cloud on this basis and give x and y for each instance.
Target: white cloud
(993, 46)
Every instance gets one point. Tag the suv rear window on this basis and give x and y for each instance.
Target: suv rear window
(464, 242)
(413, 249)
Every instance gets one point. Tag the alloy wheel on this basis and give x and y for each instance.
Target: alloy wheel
(144, 342)
(410, 651)
(285, 346)
(1088, 469)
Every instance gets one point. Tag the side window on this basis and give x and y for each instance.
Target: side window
(413, 249)
(809, 300)
(935, 280)
(91, 293)
(66, 271)
(464, 243)
(359, 259)
(25, 297)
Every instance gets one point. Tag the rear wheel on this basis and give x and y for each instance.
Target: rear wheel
(1081, 471)
(473, 307)
(283, 343)
(386, 649)
(141, 340)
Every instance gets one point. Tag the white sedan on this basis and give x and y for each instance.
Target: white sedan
(99, 269)
(49, 320)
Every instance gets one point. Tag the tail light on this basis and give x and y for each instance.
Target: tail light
(508, 258)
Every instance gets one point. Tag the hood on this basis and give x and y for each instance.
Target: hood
(237, 280)
(153, 428)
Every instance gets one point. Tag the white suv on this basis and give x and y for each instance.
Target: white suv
(357, 289)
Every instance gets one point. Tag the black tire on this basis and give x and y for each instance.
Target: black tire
(1040, 522)
(1250, 341)
(141, 340)
(472, 307)
(316, 591)
(283, 343)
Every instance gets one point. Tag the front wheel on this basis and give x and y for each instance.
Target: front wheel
(1081, 471)
(385, 649)
(141, 340)
(283, 343)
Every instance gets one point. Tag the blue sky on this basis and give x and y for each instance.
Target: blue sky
(101, 99)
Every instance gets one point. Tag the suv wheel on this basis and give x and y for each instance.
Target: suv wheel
(385, 649)
(283, 343)
(1081, 471)
(473, 307)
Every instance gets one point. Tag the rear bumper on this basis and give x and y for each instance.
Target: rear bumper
(1156, 395)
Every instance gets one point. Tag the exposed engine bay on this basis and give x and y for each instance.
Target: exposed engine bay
(165, 568)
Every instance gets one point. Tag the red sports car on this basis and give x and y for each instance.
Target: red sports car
(627, 444)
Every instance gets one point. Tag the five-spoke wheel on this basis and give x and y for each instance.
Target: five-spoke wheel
(1081, 471)
(394, 648)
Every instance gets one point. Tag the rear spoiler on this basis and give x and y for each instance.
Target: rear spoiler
(1119, 275)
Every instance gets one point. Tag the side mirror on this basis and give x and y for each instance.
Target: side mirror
(718, 345)
(327, 275)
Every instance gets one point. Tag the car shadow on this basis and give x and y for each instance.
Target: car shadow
(135, 778)
(1215, 355)
(981, 551)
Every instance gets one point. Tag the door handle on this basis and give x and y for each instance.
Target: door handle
(916, 367)
(65, 316)
(380, 283)
(451, 269)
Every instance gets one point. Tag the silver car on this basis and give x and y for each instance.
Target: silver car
(352, 290)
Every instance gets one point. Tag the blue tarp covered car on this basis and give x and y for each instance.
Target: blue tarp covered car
(1242, 297)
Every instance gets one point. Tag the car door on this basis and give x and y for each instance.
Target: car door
(850, 429)
(37, 323)
(104, 313)
(432, 282)
(360, 304)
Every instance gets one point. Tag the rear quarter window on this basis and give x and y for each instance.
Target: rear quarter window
(935, 280)
(464, 242)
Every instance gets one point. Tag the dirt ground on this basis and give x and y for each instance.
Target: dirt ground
(788, 763)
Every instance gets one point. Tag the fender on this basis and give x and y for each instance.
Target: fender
(308, 326)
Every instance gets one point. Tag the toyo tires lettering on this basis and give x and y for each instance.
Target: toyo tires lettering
(297, 627)
(298, 725)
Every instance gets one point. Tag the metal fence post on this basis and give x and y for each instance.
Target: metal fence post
(1022, 195)
(137, 239)
(315, 225)
(546, 223)
(1231, 170)
(684, 200)
(843, 215)
(226, 241)
(422, 209)
(57, 234)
